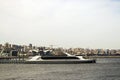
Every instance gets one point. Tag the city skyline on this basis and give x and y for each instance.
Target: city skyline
(63, 23)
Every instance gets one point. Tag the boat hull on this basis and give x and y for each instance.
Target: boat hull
(60, 62)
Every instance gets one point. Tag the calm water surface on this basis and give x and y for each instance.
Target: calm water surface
(104, 69)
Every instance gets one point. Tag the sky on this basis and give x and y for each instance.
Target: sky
(62, 23)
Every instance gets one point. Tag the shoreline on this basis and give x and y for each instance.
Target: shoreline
(104, 56)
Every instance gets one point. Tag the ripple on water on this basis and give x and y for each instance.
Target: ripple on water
(98, 71)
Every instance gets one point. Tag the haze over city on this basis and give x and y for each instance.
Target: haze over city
(63, 23)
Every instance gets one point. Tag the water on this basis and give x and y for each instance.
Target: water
(104, 69)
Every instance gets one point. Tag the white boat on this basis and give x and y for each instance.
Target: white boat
(69, 59)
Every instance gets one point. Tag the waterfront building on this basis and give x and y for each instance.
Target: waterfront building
(113, 51)
(13, 53)
(25, 48)
(30, 46)
(106, 51)
(7, 48)
(95, 51)
(0, 46)
(6, 45)
(118, 52)
(15, 47)
(99, 51)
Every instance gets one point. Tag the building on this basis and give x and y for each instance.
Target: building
(30, 46)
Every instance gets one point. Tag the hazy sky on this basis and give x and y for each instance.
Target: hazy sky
(64, 23)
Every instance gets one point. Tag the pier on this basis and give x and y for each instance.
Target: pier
(12, 60)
